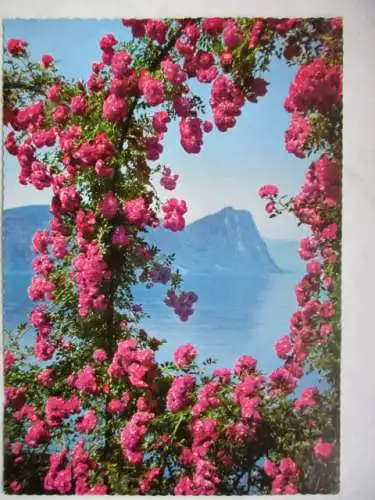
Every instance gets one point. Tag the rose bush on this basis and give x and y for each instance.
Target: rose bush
(88, 409)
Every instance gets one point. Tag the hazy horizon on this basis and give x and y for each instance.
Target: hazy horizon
(264, 237)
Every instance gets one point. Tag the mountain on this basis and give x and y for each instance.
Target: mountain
(19, 226)
(226, 242)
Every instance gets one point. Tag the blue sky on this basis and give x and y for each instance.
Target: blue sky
(232, 165)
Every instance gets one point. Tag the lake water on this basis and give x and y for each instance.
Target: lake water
(233, 315)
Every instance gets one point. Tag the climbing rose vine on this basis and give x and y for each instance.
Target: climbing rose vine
(88, 409)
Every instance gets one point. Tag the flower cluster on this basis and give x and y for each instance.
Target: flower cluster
(87, 423)
(205, 478)
(146, 482)
(226, 102)
(247, 396)
(16, 47)
(323, 449)
(245, 365)
(90, 272)
(46, 377)
(63, 474)
(308, 398)
(256, 33)
(184, 355)
(36, 434)
(174, 211)
(268, 191)
(40, 289)
(160, 274)
(328, 178)
(82, 465)
(191, 134)
(115, 108)
(59, 475)
(178, 396)
(40, 319)
(133, 434)
(138, 212)
(182, 304)
(232, 36)
(159, 121)
(138, 364)
(316, 87)
(168, 180)
(85, 380)
(95, 153)
(118, 406)
(9, 360)
(57, 409)
(284, 476)
(297, 135)
(172, 71)
(151, 88)
(282, 381)
(207, 398)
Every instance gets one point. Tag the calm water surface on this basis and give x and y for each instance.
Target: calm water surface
(233, 315)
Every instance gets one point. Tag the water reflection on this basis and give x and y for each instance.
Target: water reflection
(233, 316)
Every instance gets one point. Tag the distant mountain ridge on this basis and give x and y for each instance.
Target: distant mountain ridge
(19, 226)
(225, 242)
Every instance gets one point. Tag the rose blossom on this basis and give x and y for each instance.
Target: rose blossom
(323, 449)
(184, 355)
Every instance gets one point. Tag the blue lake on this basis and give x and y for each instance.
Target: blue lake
(233, 315)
